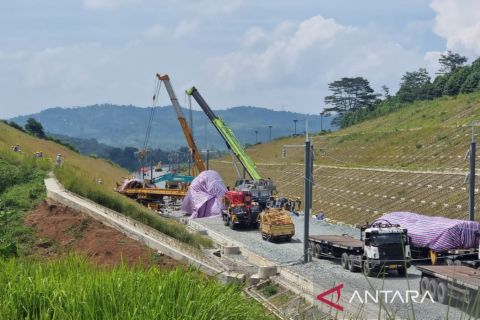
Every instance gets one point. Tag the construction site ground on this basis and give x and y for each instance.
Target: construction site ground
(326, 274)
(62, 230)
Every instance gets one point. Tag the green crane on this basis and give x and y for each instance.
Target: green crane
(227, 134)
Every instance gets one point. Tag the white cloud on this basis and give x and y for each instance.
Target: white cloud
(155, 31)
(185, 27)
(299, 61)
(459, 23)
(108, 4)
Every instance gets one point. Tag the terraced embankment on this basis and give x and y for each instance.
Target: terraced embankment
(410, 160)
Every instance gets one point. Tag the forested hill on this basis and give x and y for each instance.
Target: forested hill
(125, 126)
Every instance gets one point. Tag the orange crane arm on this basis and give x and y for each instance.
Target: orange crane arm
(183, 123)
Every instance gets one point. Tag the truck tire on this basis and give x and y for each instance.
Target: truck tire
(344, 260)
(318, 250)
(351, 266)
(432, 288)
(449, 262)
(225, 220)
(442, 293)
(457, 263)
(368, 271)
(424, 282)
(231, 224)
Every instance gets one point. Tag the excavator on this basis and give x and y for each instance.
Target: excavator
(262, 189)
(149, 194)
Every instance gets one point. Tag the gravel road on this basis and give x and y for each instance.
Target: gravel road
(326, 274)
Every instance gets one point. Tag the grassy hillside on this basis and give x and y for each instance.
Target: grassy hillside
(80, 175)
(360, 172)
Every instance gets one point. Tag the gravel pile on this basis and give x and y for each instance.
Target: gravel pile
(327, 274)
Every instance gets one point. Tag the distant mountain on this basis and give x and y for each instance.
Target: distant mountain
(125, 126)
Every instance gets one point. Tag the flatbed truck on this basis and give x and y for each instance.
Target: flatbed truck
(381, 247)
(449, 284)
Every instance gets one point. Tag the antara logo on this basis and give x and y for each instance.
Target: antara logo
(337, 289)
(387, 296)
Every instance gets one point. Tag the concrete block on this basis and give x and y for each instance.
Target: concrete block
(202, 232)
(235, 277)
(267, 272)
(255, 279)
(230, 250)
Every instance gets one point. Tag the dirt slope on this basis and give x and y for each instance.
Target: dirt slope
(62, 230)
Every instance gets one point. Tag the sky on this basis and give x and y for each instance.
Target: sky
(279, 54)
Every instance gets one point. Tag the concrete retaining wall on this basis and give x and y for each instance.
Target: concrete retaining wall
(132, 228)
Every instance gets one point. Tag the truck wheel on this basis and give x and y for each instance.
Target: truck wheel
(433, 287)
(344, 260)
(449, 262)
(402, 272)
(442, 293)
(231, 224)
(457, 263)
(369, 271)
(424, 282)
(225, 220)
(351, 265)
(318, 250)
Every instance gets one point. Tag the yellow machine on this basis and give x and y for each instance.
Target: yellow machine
(276, 224)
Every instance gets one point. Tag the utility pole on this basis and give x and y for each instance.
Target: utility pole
(295, 130)
(308, 188)
(308, 198)
(270, 133)
(256, 136)
(473, 149)
(321, 122)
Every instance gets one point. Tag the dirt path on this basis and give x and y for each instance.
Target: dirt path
(62, 230)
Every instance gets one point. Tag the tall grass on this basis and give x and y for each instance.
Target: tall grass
(71, 177)
(21, 189)
(70, 288)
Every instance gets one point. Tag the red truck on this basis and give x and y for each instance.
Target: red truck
(240, 210)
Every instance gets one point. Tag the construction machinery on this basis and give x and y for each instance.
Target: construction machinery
(276, 224)
(452, 284)
(146, 192)
(196, 155)
(382, 246)
(256, 184)
(240, 210)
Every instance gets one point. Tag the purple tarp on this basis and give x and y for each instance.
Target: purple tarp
(437, 233)
(204, 197)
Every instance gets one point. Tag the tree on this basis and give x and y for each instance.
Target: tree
(35, 128)
(472, 83)
(415, 85)
(450, 61)
(386, 92)
(456, 80)
(350, 94)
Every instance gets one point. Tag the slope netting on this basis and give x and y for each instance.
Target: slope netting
(360, 176)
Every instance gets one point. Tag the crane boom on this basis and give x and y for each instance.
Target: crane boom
(183, 123)
(227, 134)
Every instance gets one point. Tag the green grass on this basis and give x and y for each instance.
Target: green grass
(70, 288)
(21, 189)
(72, 179)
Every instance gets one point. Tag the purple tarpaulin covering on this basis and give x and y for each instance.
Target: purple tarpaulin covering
(437, 233)
(204, 197)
